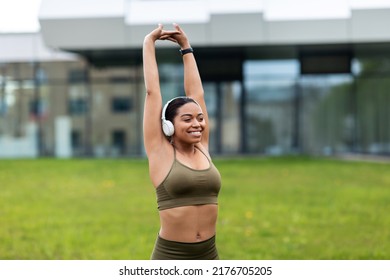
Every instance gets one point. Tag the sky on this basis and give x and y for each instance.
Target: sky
(19, 16)
(22, 15)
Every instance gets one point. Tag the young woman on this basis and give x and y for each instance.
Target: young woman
(176, 140)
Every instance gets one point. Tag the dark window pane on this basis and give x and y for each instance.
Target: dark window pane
(77, 106)
(121, 104)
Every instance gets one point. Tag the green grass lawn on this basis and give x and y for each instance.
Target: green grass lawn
(277, 208)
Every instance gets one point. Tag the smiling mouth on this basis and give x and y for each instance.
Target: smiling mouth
(196, 133)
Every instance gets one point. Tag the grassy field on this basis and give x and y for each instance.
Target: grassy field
(277, 208)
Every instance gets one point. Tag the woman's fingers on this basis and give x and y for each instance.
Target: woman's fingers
(177, 27)
(164, 37)
(169, 38)
(169, 32)
(172, 40)
(167, 35)
(171, 35)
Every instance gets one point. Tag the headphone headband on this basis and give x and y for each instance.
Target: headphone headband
(166, 106)
(169, 101)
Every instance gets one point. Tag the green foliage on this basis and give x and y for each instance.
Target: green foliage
(278, 208)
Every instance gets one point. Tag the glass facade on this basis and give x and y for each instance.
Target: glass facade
(326, 116)
(270, 109)
(276, 109)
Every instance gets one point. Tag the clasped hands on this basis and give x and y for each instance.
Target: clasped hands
(177, 35)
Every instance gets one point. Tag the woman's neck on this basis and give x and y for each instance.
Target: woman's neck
(185, 149)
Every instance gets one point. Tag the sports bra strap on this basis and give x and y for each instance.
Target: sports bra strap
(174, 153)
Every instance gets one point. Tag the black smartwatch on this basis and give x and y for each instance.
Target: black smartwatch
(185, 51)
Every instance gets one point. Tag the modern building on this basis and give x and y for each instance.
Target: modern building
(280, 77)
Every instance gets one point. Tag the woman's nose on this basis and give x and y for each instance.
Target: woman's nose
(195, 123)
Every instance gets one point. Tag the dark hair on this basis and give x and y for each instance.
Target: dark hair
(174, 105)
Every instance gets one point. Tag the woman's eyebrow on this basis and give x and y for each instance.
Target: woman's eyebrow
(190, 115)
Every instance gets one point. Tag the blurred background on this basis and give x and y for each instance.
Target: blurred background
(281, 77)
(303, 77)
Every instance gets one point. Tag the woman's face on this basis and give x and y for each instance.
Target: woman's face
(189, 123)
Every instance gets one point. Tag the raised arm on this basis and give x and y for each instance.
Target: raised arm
(153, 135)
(151, 126)
(192, 81)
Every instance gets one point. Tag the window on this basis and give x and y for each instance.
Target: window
(77, 76)
(121, 104)
(270, 110)
(37, 108)
(118, 138)
(76, 142)
(76, 139)
(77, 106)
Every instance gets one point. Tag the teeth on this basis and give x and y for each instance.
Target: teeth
(195, 132)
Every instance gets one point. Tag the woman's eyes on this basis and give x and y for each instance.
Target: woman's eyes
(200, 119)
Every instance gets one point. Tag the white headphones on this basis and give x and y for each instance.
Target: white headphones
(167, 126)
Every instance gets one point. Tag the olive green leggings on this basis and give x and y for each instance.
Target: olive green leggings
(173, 250)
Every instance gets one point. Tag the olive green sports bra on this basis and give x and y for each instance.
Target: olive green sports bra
(184, 186)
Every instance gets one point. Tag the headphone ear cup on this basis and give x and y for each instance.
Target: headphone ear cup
(168, 128)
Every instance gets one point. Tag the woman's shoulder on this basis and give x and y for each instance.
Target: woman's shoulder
(203, 149)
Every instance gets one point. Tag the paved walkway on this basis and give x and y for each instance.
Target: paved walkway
(361, 157)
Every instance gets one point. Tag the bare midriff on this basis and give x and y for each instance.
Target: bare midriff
(189, 223)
